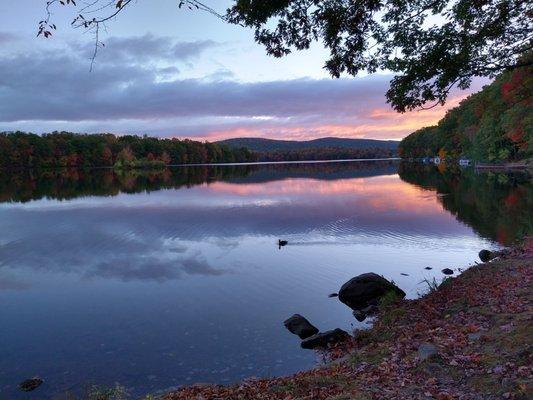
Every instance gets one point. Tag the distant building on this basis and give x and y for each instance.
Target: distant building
(464, 162)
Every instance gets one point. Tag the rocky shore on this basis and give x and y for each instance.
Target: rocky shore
(468, 339)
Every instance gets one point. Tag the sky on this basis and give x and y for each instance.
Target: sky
(171, 72)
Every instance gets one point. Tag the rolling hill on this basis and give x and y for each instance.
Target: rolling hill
(271, 145)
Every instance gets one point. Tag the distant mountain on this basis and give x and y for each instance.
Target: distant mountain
(270, 145)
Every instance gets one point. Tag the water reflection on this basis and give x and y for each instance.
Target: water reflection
(23, 186)
(156, 279)
(498, 205)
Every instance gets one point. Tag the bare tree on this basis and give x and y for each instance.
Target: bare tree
(93, 15)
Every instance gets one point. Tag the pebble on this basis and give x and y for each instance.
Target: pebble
(447, 271)
(474, 336)
(427, 350)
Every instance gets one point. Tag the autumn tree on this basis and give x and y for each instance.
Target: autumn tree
(21, 150)
(492, 125)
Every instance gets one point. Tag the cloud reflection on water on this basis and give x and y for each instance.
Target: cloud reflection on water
(170, 234)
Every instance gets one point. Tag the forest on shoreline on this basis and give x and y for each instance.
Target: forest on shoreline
(325, 153)
(494, 125)
(21, 150)
(65, 149)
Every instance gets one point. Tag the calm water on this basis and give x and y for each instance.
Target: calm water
(156, 280)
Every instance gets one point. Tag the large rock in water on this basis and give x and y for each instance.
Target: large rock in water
(324, 339)
(30, 384)
(486, 255)
(300, 326)
(365, 290)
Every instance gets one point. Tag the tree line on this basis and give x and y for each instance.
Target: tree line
(65, 149)
(494, 125)
(325, 153)
(21, 150)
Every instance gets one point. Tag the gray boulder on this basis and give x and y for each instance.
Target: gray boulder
(447, 271)
(300, 326)
(474, 336)
(365, 290)
(427, 351)
(322, 340)
(486, 255)
(359, 315)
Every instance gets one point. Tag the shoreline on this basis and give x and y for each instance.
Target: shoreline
(467, 339)
(229, 164)
(523, 165)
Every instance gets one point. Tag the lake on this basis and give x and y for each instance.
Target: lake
(159, 279)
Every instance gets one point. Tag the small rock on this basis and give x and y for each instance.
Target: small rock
(300, 326)
(427, 351)
(486, 255)
(359, 315)
(333, 295)
(428, 268)
(30, 384)
(324, 339)
(474, 336)
(404, 274)
(447, 271)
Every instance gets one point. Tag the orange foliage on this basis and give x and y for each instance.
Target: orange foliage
(517, 136)
(510, 90)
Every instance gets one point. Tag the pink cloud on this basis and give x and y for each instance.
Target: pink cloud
(125, 97)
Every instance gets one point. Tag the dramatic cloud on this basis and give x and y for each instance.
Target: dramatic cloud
(136, 87)
(147, 49)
